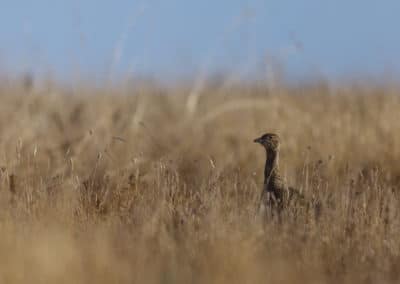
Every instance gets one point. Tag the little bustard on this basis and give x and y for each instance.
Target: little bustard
(275, 192)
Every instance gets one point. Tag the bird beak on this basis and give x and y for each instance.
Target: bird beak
(257, 140)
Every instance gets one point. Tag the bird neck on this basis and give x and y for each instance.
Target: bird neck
(271, 165)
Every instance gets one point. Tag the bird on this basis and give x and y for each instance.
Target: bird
(276, 194)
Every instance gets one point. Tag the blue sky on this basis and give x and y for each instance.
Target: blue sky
(181, 38)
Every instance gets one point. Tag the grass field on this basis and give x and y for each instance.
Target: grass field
(148, 184)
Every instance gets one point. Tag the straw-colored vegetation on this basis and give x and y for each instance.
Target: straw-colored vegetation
(143, 184)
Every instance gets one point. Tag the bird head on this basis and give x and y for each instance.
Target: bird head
(270, 141)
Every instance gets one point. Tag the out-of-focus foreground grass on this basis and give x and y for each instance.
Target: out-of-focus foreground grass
(145, 184)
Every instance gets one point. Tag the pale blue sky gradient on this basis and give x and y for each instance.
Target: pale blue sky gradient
(183, 38)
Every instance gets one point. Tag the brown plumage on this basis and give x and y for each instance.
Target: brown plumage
(275, 192)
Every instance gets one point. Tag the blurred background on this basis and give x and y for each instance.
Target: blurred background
(176, 40)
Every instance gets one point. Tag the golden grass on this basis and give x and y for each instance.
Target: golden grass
(148, 185)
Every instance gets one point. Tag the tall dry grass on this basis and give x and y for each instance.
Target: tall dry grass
(130, 185)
